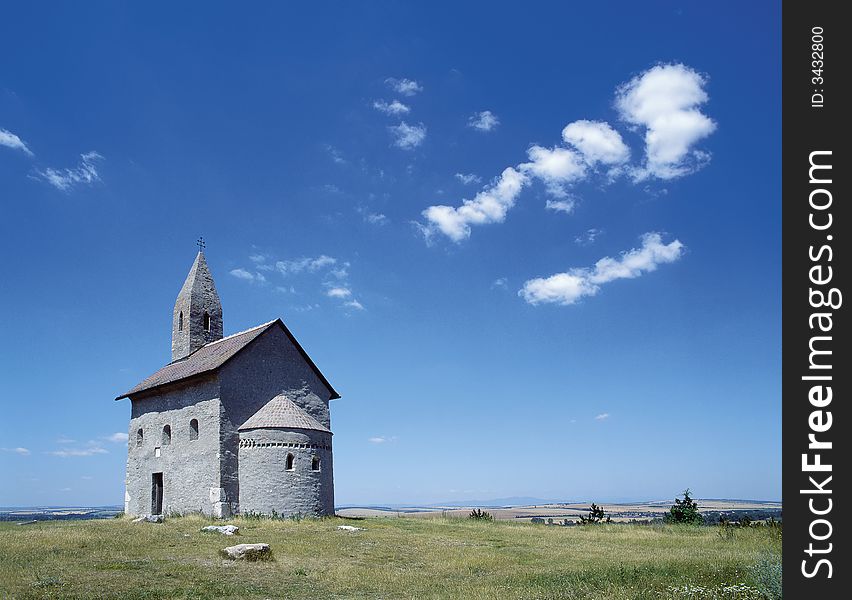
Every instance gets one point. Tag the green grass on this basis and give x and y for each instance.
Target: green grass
(393, 558)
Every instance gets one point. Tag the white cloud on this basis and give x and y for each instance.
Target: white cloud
(558, 168)
(117, 438)
(468, 178)
(85, 173)
(394, 107)
(602, 417)
(597, 142)
(64, 439)
(488, 206)
(500, 282)
(406, 87)
(339, 292)
(408, 136)
(10, 140)
(569, 287)
(665, 100)
(483, 121)
(19, 450)
(566, 205)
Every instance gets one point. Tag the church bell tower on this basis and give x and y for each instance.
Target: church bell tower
(197, 318)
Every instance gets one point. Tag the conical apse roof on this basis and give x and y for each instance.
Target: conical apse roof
(282, 413)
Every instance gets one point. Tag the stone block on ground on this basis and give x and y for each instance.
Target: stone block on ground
(248, 552)
(148, 519)
(350, 528)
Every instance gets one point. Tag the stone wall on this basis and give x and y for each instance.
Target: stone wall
(190, 468)
(266, 367)
(267, 486)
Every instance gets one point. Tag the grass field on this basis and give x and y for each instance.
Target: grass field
(392, 558)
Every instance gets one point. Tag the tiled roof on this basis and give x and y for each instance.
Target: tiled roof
(215, 354)
(207, 358)
(281, 412)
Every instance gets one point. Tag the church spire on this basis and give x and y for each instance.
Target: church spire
(197, 318)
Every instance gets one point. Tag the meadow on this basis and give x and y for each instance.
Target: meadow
(390, 558)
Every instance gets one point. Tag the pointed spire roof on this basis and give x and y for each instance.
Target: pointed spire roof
(282, 413)
(199, 277)
(197, 315)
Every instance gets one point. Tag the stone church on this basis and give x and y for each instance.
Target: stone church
(236, 424)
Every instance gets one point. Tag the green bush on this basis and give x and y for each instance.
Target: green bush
(480, 515)
(767, 576)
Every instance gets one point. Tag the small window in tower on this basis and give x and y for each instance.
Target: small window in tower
(139, 437)
(289, 462)
(167, 435)
(193, 429)
(180, 321)
(315, 464)
(206, 321)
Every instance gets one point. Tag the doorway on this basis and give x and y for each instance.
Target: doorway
(157, 494)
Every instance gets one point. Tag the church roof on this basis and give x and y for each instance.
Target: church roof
(281, 412)
(213, 355)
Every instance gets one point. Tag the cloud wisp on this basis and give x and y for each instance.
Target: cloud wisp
(331, 272)
(84, 173)
(20, 451)
(663, 101)
(569, 287)
(10, 140)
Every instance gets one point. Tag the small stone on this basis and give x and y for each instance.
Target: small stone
(350, 528)
(148, 519)
(248, 552)
(223, 529)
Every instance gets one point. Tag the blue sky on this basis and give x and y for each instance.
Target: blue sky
(537, 250)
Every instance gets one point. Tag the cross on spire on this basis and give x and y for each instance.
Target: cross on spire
(201, 244)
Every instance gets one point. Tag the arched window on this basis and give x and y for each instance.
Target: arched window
(315, 464)
(193, 429)
(289, 462)
(180, 321)
(167, 435)
(139, 437)
(206, 321)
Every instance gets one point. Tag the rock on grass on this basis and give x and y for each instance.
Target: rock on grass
(248, 552)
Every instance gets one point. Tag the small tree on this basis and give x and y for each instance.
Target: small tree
(685, 511)
(596, 515)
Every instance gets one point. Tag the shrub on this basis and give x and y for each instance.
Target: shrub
(685, 511)
(596, 515)
(480, 515)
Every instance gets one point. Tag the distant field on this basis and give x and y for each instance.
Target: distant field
(392, 558)
(571, 511)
